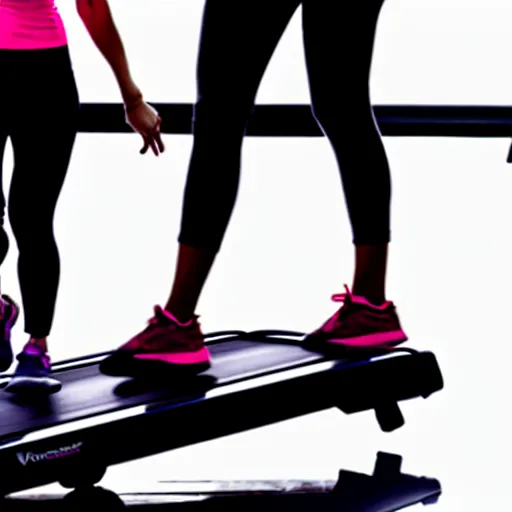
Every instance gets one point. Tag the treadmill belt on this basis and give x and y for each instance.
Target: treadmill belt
(86, 392)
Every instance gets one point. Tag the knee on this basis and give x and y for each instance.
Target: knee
(219, 129)
(220, 119)
(349, 118)
(29, 226)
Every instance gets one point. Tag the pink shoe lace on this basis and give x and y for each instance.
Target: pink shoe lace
(335, 319)
(163, 317)
(342, 297)
(349, 297)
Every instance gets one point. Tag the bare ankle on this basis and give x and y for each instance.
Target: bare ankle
(193, 267)
(370, 273)
(39, 342)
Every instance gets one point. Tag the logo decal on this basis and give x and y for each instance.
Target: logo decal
(25, 458)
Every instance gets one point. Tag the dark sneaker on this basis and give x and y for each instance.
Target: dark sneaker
(164, 345)
(9, 312)
(33, 373)
(358, 325)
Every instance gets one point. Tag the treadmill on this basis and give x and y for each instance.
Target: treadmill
(257, 378)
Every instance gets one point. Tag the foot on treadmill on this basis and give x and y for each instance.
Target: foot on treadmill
(358, 325)
(164, 345)
(33, 373)
(9, 312)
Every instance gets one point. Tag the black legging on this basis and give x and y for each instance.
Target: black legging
(237, 41)
(38, 112)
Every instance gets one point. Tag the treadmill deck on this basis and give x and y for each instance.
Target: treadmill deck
(86, 392)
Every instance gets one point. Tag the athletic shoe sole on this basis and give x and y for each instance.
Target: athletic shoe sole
(125, 365)
(33, 385)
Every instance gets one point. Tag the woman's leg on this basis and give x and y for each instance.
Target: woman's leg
(4, 239)
(8, 308)
(227, 87)
(43, 135)
(339, 40)
(237, 42)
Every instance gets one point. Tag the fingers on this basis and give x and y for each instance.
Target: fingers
(145, 148)
(149, 142)
(155, 139)
(158, 139)
(158, 136)
(153, 145)
(147, 123)
(153, 142)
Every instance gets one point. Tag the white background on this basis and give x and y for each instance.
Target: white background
(289, 248)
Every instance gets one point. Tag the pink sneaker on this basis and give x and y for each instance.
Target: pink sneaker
(164, 344)
(358, 325)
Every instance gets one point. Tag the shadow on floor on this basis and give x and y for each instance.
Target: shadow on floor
(386, 490)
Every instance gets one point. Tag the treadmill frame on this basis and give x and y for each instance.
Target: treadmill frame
(80, 451)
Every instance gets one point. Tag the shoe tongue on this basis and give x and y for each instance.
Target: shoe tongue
(164, 316)
(366, 302)
(356, 299)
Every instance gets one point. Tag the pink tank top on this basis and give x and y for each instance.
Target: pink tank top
(30, 25)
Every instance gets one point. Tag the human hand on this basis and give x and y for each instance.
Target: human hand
(145, 120)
